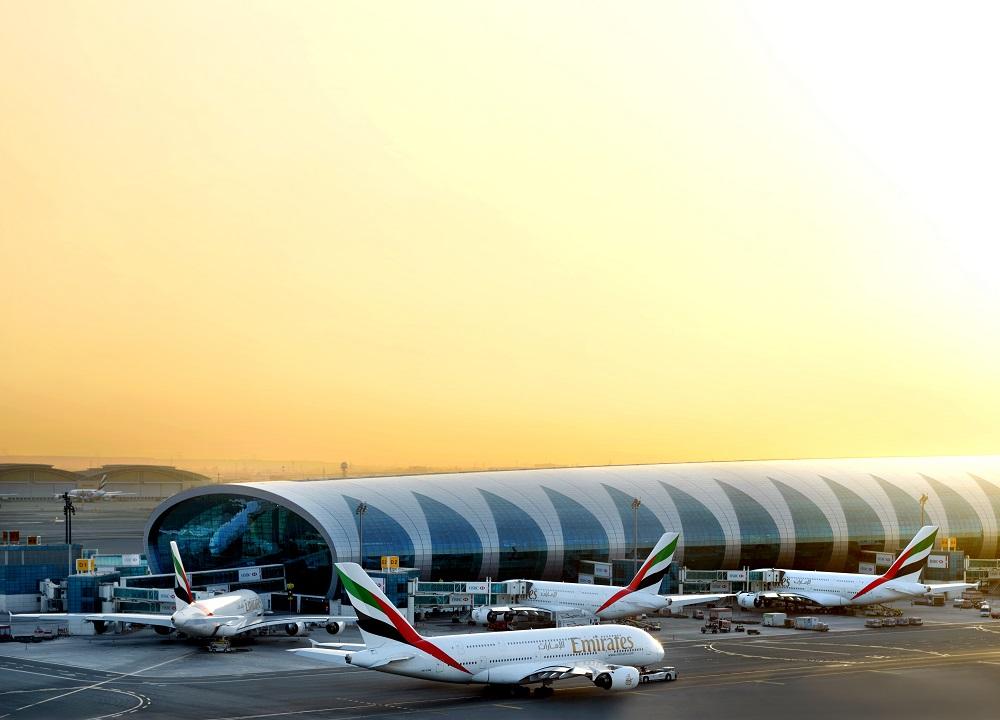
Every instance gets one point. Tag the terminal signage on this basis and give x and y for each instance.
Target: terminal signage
(477, 587)
(390, 562)
(720, 586)
(84, 565)
(165, 595)
(602, 570)
(131, 560)
(380, 582)
(937, 561)
(252, 574)
(460, 599)
(736, 575)
(585, 579)
(884, 558)
(866, 568)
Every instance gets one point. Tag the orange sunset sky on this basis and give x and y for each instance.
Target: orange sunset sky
(465, 234)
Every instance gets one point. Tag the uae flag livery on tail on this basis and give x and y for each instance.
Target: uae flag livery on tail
(910, 562)
(651, 573)
(379, 620)
(182, 586)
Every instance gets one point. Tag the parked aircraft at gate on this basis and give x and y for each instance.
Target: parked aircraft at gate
(612, 656)
(830, 589)
(222, 616)
(609, 602)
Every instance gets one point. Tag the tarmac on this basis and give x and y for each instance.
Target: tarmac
(950, 666)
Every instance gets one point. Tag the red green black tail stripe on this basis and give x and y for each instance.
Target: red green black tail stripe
(399, 630)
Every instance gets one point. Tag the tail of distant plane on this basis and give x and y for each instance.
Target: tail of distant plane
(913, 559)
(651, 573)
(103, 484)
(910, 562)
(182, 586)
(379, 620)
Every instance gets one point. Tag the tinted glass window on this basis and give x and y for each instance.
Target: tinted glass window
(457, 550)
(864, 529)
(813, 534)
(583, 536)
(704, 541)
(522, 544)
(227, 531)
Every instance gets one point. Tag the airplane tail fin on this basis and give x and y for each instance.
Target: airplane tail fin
(913, 559)
(103, 484)
(378, 618)
(182, 586)
(655, 567)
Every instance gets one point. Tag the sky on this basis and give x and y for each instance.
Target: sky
(479, 234)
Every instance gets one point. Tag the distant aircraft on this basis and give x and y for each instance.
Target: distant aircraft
(612, 656)
(87, 494)
(831, 589)
(221, 616)
(608, 602)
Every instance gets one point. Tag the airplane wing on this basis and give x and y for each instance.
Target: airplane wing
(135, 618)
(524, 673)
(684, 600)
(338, 656)
(812, 597)
(269, 620)
(950, 589)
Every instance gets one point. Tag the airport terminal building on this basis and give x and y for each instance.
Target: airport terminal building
(809, 514)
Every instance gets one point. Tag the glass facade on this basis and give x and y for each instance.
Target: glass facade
(382, 536)
(523, 549)
(704, 541)
(759, 540)
(962, 517)
(230, 531)
(650, 528)
(583, 536)
(545, 522)
(813, 533)
(864, 529)
(458, 552)
(906, 507)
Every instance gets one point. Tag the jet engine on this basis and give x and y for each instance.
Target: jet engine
(336, 627)
(749, 601)
(624, 677)
(295, 628)
(480, 614)
(100, 627)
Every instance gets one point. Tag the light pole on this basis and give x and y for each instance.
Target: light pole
(636, 504)
(69, 511)
(923, 501)
(361, 509)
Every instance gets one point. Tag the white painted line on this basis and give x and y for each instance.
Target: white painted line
(103, 682)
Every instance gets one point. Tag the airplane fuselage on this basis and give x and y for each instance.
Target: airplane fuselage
(501, 658)
(838, 589)
(592, 598)
(219, 616)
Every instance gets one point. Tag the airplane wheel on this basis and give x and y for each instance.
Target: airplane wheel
(543, 691)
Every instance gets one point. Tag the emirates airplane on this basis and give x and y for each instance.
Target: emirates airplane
(222, 616)
(87, 494)
(831, 589)
(607, 602)
(612, 656)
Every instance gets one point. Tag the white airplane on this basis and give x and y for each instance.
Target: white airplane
(222, 616)
(831, 589)
(607, 602)
(612, 656)
(87, 494)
